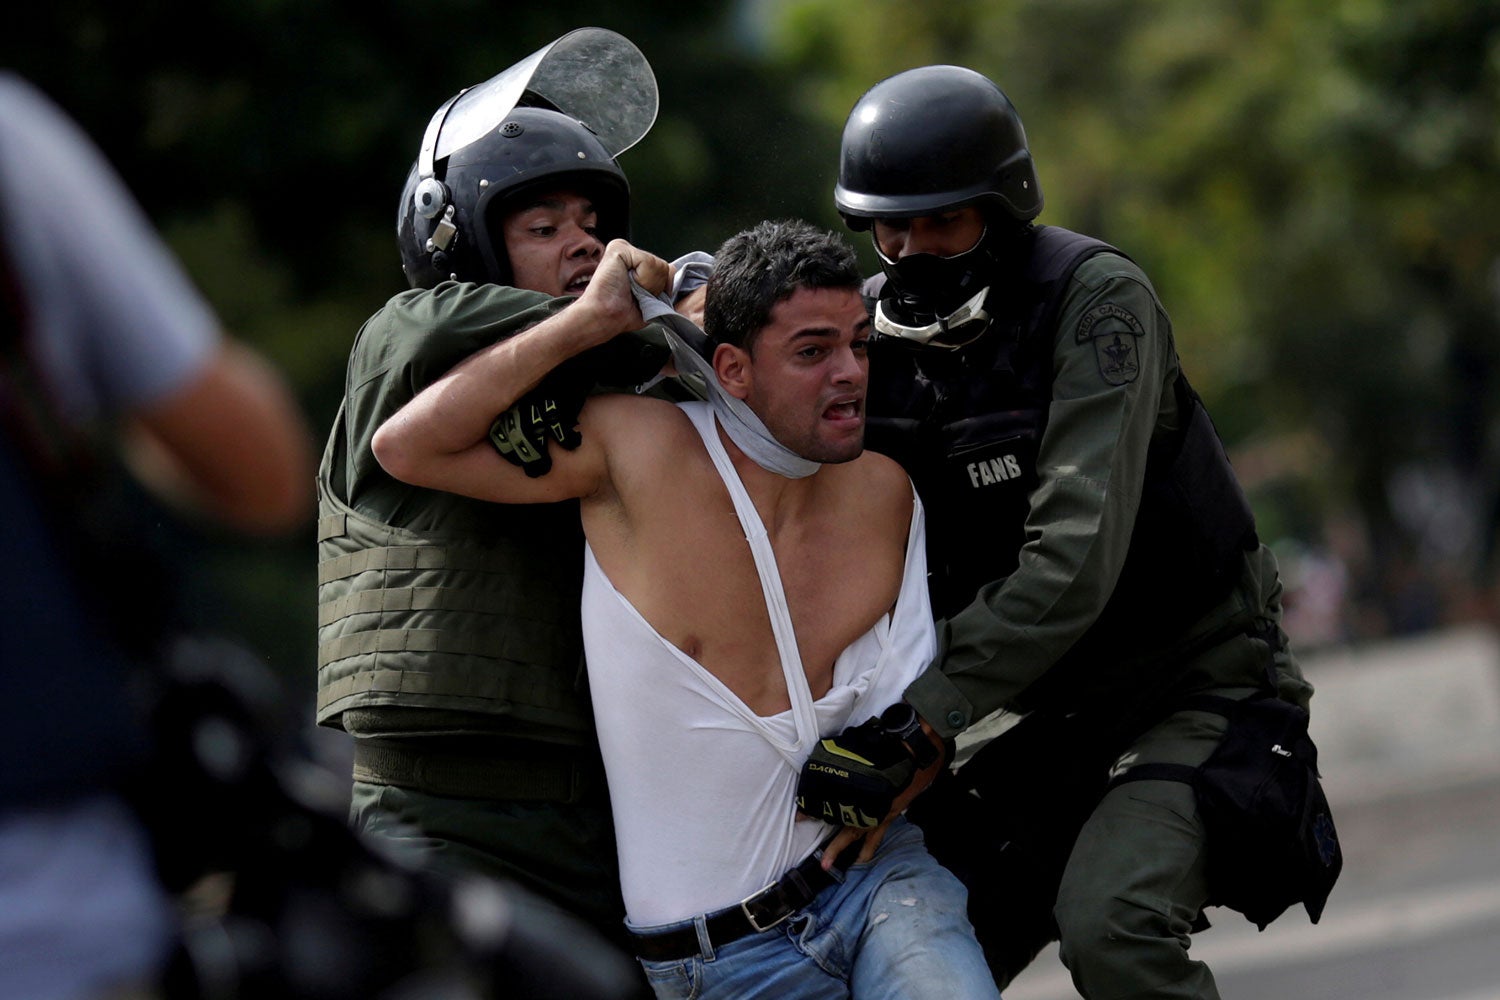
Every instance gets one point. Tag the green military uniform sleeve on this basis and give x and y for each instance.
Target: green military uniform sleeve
(417, 337)
(413, 340)
(438, 613)
(1113, 361)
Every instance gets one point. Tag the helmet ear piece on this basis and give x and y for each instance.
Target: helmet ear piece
(430, 198)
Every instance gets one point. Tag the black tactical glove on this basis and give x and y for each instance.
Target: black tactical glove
(853, 778)
(521, 433)
(549, 413)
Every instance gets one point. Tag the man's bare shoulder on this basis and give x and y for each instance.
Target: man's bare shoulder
(648, 448)
(879, 486)
(638, 426)
(622, 411)
(884, 474)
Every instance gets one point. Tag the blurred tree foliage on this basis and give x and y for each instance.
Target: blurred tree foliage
(1310, 183)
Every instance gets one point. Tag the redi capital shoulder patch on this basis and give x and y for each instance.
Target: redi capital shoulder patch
(1114, 331)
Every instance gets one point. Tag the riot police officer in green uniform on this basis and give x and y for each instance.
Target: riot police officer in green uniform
(449, 642)
(1094, 561)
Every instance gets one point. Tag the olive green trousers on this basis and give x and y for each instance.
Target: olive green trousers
(561, 852)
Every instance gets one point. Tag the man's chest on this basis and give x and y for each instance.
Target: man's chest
(738, 605)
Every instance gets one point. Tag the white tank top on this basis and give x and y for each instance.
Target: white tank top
(703, 789)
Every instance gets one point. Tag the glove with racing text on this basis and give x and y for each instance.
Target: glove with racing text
(854, 778)
(549, 413)
(521, 434)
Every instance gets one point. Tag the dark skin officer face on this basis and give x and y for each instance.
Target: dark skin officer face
(943, 235)
(553, 243)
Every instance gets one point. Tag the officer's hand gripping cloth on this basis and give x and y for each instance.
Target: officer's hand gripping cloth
(549, 413)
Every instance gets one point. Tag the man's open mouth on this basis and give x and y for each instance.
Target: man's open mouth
(849, 409)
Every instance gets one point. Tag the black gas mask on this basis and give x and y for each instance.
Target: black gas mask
(936, 301)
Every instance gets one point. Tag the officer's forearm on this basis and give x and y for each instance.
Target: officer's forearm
(455, 412)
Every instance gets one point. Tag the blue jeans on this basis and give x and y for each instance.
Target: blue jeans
(895, 928)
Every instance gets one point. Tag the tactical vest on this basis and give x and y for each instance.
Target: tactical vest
(967, 426)
(467, 621)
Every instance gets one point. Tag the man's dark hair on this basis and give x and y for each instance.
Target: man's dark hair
(764, 265)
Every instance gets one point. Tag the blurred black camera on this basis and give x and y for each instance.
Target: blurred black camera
(281, 898)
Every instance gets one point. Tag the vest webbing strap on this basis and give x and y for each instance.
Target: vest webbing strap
(396, 599)
(407, 557)
(503, 686)
(1056, 254)
(397, 640)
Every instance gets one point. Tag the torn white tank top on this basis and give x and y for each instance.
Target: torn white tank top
(703, 789)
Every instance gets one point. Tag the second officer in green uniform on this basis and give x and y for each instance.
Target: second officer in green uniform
(1093, 557)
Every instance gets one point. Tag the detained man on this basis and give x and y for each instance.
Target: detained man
(753, 582)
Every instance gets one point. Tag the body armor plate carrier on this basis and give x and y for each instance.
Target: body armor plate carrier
(967, 425)
(447, 621)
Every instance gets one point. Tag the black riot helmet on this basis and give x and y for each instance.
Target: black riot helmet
(557, 119)
(930, 140)
(923, 142)
(448, 225)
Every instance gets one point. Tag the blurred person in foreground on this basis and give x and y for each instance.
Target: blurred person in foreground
(1094, 563)
(108, 350)
(163, 833)
(711, 688)
(449, 642)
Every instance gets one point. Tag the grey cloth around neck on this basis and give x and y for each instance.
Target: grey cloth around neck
(689, 347)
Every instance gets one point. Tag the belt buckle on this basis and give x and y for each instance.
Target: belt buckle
(756, 924)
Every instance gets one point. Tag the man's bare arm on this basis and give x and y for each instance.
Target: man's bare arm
(231, 443)
(440, 439)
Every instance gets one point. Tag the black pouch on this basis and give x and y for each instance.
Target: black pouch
(1271, 837)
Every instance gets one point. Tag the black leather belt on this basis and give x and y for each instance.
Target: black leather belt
(758, 912)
